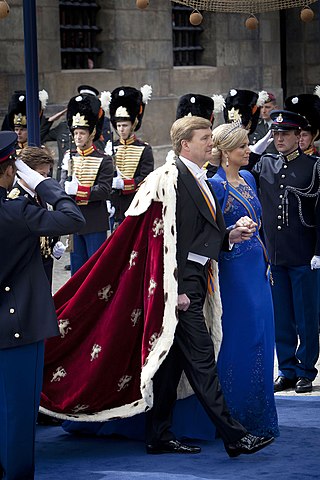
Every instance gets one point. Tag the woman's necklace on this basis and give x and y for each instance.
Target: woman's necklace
(236, 182)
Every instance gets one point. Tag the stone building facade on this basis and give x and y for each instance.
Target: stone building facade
(281, 55)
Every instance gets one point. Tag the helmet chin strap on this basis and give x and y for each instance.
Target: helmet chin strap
(89, 142)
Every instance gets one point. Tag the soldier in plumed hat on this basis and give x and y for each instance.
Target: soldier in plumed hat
(308, 105)
(133, 157)
(244, 106)
(87, 176)
(27, 313)
(289, 185)
(16, 118)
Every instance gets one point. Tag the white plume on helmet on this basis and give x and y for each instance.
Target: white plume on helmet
(146, 91)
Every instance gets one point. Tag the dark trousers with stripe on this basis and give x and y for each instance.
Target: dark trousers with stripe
(296, 310)
(193, 352)
(21, 370)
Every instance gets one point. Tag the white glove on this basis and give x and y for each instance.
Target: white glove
(71, 188)
(108, 148)
(65, 161)
(110, 208)
(31, 177)
(315, 262)
(117, 183)
(262, 144)
(58, 250)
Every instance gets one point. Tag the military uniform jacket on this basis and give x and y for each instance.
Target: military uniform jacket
(94, 171)
(27, 312)
(46, 243)
(135, 161)
(289, 242)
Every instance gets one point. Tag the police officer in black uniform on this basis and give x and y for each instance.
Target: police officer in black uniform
(27, 313)
(289, 190)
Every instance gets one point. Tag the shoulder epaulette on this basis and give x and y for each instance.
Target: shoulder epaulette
(14, 193)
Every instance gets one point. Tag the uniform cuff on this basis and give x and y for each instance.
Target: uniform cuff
(83, 193)
(129, 186)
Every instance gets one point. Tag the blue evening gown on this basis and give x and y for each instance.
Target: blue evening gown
(246, 358)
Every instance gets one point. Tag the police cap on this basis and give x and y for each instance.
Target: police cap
(8, 142)
(285, 120)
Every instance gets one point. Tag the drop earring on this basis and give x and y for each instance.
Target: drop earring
(227, 162)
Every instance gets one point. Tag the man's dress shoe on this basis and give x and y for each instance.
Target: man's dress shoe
(283, 383)
(247, 445)
(303, 385)
(172, 446)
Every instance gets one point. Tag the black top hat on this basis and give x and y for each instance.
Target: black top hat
(283, 120)
(128, 103)
(87, 89)
(242, 105)
(8, 141)
(84, 111)
(197, 105)
(17, 110)
(308, 105)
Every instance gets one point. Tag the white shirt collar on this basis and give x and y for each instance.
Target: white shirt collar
(199, 173)
(30, 192)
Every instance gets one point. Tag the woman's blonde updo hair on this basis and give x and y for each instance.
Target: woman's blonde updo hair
(227, 137)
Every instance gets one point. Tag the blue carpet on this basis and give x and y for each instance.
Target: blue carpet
(295, 454)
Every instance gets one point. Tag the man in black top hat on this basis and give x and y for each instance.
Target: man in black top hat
(308, 105)
(16, 118)
(87, 177)
(289, 190)
(27, 313)
(133, 157)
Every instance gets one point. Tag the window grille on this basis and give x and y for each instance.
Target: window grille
(186, 37)
(78, 34)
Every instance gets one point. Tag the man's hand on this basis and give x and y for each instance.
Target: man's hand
(315, 262)
(262, 144)
(71, 188)
(183, 302)
(58, 250)
(31, 177)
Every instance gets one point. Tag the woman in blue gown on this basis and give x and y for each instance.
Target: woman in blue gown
(246, 358)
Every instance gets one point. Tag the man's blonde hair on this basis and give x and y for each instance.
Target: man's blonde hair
(183, 129)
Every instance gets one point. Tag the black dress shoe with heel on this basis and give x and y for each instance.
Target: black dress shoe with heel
(247, 445)
(172, 446)
(303, 385)
(283, 383)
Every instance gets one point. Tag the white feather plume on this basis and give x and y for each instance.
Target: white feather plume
(219, 103)
(146, 91)
(317, 91)
(105, 99)
(262, 98)
(43, 97)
